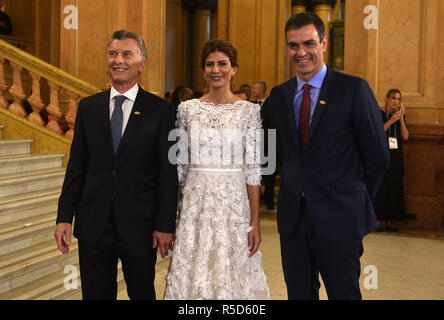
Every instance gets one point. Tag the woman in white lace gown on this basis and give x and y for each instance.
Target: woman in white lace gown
(215, 254)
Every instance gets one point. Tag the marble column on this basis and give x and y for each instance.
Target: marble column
(322, 9)
(298, 6)
(336, 11)
(200, 33)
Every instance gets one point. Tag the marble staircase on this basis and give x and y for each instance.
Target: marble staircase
(31, 266)
(29, 188)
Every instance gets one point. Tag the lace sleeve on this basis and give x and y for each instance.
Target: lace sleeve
(182, 160)
(253, 143)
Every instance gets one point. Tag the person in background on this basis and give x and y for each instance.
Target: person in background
(167, 96)
(247, 89)
(5, 20)
(180, 94)
(258, 92)
(389, 202)
(240, 94)
(175, 96)
(185, 94)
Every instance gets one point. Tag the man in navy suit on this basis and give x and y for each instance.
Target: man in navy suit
(334, 154)
(119, 183)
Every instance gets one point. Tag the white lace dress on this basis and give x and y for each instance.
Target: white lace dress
(210, 259)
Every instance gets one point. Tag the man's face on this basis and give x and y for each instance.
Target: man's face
(258, 91)
(306, 51)
(247, 90)
(125, 62)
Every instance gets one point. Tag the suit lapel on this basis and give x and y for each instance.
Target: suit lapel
(104, 114)
(133, 122)
(322, 103)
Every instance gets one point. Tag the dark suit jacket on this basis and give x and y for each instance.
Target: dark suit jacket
(138, 182)
(343, 163)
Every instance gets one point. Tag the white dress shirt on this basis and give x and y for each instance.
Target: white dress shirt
(127, 105)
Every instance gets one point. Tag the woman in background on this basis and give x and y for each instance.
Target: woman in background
(389, 203)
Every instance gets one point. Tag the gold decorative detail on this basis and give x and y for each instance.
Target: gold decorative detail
(46, 70)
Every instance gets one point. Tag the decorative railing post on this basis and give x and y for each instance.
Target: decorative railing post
(70, 118)
(17, 92)
(53, 109)
(59, 122)
(3, 85)
(35, 100)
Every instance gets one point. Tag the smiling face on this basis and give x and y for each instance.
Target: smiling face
(125, 63)
(306, 51)
(218, 70)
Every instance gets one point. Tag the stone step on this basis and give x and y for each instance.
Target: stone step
(29, 163)
(37, 274)
(52, 287)
(28, 205)
(25, 233)
(59, 292)
(28, 182)
(11, 147)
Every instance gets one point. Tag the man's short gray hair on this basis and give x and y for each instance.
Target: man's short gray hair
(264, 85)
(124, 34)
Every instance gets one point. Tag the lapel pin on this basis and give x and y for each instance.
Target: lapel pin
(322, 102)
(137, 113)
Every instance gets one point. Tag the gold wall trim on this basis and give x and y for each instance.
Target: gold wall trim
(46, 70)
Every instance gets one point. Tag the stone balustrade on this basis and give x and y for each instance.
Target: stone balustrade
(63, 89)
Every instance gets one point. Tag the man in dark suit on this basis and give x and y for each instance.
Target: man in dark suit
(333, 154)
(119, 183)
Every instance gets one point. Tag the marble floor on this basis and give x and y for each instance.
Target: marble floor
(402, 266)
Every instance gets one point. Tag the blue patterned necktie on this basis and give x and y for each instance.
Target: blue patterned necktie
(117, 121)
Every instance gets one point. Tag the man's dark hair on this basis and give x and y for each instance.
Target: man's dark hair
(304, 19)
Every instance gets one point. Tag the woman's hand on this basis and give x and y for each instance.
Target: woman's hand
(254, 239)
(395, 116)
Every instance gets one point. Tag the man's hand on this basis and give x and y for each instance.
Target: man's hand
(254, 239)
(62, 232)
(163, 242)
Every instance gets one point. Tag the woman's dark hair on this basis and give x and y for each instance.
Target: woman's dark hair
(301, 20)
(219, 46)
